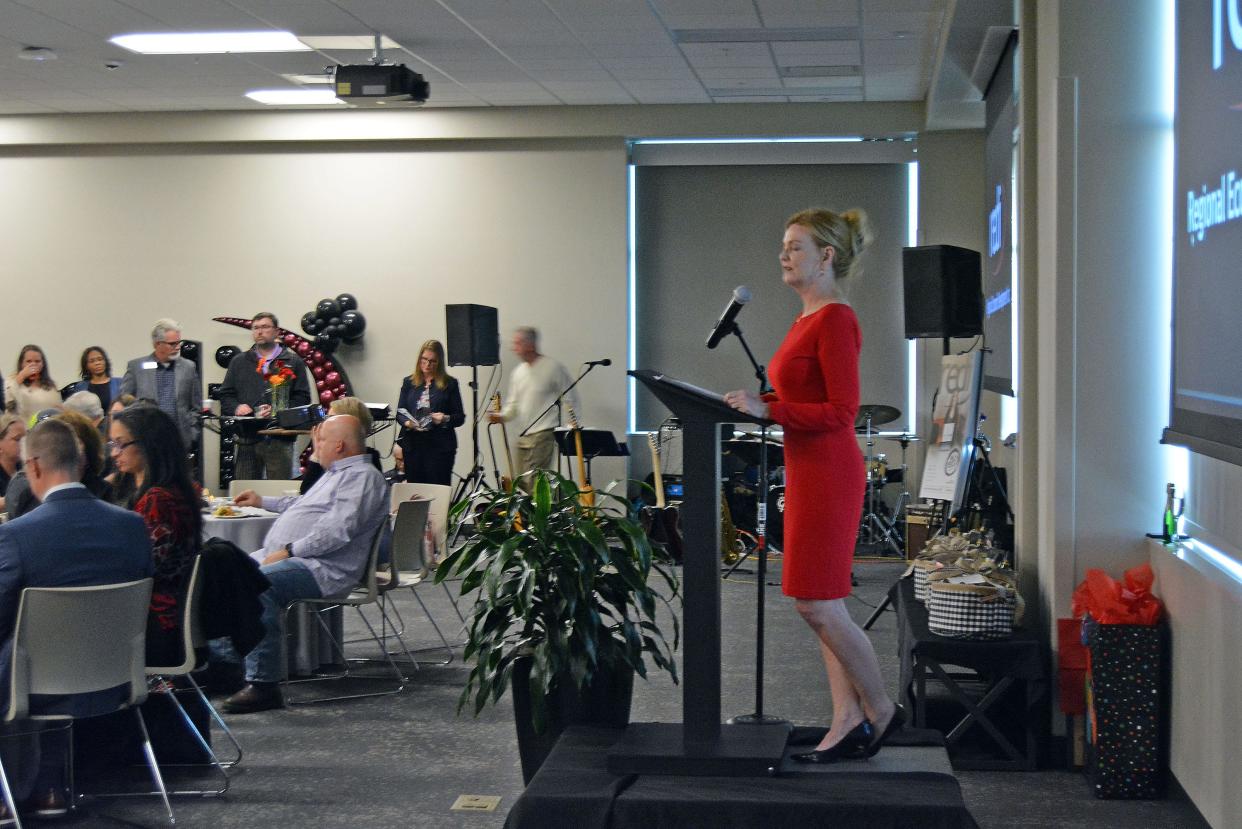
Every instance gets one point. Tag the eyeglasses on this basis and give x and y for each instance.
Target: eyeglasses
(118, 446)
(173, 344)
(262, 326)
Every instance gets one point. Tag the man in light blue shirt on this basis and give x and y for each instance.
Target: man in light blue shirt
(317, 548)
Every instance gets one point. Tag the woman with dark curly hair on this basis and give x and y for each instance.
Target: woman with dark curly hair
(96, 377)
(154, 480)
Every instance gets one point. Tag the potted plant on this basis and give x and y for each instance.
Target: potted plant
(565, 612)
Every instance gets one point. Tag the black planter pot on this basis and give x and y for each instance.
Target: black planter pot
(605, 702)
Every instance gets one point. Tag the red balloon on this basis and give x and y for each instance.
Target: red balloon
(325, 397)
(341, 391)
(302, 348)
(290, 339)
(316, 356)
(332, 378)
(318, 371)
(321, 385)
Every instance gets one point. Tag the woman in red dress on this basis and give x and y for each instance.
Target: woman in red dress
(815, 374)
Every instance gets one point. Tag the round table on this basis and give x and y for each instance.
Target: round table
(246, 531)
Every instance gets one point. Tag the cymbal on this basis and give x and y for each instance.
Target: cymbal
(879, 413)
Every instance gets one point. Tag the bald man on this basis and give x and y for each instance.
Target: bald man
(317, 548)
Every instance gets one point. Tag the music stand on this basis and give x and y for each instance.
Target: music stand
(702, 744)
(596, 443)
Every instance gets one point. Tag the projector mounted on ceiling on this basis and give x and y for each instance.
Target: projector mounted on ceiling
(374, 84)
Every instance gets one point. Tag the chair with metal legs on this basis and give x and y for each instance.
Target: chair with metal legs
(438, 517)
(366, 593)
(11, 819)
(74, 641)
(162, 676)
(407, 566)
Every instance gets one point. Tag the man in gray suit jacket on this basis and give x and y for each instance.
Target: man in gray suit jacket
(169, 379)
(72, 540)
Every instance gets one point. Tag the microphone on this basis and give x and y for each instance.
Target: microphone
(603, 362)
(724, 325)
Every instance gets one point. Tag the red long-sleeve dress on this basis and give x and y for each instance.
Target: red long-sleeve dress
(815, 375)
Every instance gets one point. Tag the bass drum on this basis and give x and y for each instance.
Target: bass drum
(776, 517)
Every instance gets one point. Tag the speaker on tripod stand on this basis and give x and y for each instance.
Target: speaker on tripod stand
(473, 340)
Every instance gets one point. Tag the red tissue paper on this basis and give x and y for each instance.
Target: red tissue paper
(1112, 603)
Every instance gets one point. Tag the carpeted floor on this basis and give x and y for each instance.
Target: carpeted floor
(402, 761)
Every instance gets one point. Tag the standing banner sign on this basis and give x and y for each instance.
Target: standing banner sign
(953, 429)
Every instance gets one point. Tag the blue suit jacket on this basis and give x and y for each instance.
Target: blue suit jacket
(72, 540)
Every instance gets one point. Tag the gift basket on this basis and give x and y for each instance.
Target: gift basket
(967, 593)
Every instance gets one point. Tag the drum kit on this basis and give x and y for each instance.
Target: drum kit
(884, 500)
(879, 531)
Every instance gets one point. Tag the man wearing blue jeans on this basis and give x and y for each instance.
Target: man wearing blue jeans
(317, 548)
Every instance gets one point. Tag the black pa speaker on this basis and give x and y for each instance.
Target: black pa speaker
(473, 335)
(943, 291)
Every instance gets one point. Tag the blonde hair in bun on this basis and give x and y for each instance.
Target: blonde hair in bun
(848, 233)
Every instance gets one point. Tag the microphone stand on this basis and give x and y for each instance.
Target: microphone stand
(761, 549)
(556, 404)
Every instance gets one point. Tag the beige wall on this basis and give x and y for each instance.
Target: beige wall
(99, 245)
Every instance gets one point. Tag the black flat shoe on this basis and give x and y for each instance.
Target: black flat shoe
(850, 747)
(894, 725)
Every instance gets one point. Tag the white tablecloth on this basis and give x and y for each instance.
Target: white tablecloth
(247, 532)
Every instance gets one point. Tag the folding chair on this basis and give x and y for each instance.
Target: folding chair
(82, 640)
(364, 594)
(437, 515)
(407, 566)
(162, 676)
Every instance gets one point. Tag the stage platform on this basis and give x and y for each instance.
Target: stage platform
(907, 785)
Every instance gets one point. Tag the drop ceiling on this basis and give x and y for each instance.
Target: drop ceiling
(485, 53)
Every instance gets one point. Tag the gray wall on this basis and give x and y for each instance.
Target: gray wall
(702, 231)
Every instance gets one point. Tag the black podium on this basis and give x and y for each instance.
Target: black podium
(702, 745)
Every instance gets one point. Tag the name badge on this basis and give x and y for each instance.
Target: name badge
(150, 364)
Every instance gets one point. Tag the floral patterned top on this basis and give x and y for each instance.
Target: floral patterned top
(174, 543)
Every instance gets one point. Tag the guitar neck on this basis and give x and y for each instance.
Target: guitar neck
(657, 476)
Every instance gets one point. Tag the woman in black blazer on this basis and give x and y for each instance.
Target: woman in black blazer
(433, 399)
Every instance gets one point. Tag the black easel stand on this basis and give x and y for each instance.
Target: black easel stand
(761, 549)
(701, 745)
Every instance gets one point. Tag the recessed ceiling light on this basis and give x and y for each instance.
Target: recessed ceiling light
(291, 97)
(37, 53)
(209, 43)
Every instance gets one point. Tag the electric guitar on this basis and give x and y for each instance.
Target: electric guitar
(663, 523)
(505, 483)
(586, 495)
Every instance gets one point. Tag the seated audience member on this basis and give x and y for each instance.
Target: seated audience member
(30, 388)
(87, 404)
(97, 378)
(74, 539)
(154, 476)
(317, 548)
(12, 430)
(341, 406)
(121, 403)
(396, 475)
(21, 499)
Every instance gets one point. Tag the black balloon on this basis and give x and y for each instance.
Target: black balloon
(310, 323)
(334, 321)
(347, 302)
(354, 323)
(327, 342)
(330, 330)
(327, 308)
(225, 355)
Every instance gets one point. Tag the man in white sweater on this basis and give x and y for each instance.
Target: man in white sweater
(535, 385)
